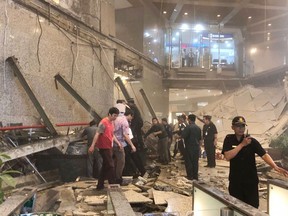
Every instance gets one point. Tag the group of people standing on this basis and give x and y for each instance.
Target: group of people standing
(188, 139)
(119, 137)
(238, 148)
(114, 140)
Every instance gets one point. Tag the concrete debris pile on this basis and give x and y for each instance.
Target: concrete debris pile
(264, 110)
(164, 188)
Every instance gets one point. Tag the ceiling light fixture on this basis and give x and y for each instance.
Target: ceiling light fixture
(164, 12)
(250, 17)
(253, 50)
(185, 13)
(218, 15)
(269, 24)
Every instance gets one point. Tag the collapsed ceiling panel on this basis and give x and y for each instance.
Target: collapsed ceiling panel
(241, 100)
(255, 104)
(259, 128)
(261, 99)
(247, 107)
(266, 107)
(255, 92)
(276, 97)
(280, 108)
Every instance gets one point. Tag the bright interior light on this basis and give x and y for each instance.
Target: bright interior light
(199, 27)
(184, 26)
(253, 50)
(146, 34)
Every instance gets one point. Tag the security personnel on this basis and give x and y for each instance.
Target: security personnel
(210, 140)
(240, 150)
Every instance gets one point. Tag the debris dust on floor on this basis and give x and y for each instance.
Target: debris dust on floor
(165, 191)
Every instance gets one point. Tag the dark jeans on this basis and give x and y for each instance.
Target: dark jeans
(210, 152)
(246, 192)
(119, 163)
(107, 171)
(133, 161)
(179, 146)
(192, 161)
(94, 164)
(163, 150)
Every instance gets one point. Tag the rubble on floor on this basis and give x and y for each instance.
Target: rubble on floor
(163, 188)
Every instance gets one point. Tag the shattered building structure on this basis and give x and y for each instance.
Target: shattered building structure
(66, 62)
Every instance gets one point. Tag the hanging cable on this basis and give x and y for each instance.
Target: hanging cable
(38, 43)
(112, 79)
(73, 63)
(4, 45)
(77, 51)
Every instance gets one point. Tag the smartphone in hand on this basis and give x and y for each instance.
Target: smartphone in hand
(247, 134)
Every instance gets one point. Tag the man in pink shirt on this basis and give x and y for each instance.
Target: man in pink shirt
(122, 132)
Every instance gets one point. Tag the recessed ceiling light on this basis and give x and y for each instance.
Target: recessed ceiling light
(250, 17)
(185, 13)
(175, 10)
(218, 15)
(253, 50)
(164, 12)
(268, 33)
(269, 24)
(268, 47)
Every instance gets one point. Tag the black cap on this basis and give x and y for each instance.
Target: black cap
(207, 116)
(239, 120)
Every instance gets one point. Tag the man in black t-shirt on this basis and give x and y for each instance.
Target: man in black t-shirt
(240, 150)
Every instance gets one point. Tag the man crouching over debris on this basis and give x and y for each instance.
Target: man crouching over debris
(158, 130)
(240, 149)
(103, 140)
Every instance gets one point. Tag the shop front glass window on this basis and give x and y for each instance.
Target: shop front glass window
(190, 48)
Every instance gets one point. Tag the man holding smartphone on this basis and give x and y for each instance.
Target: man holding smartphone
(240, 149)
